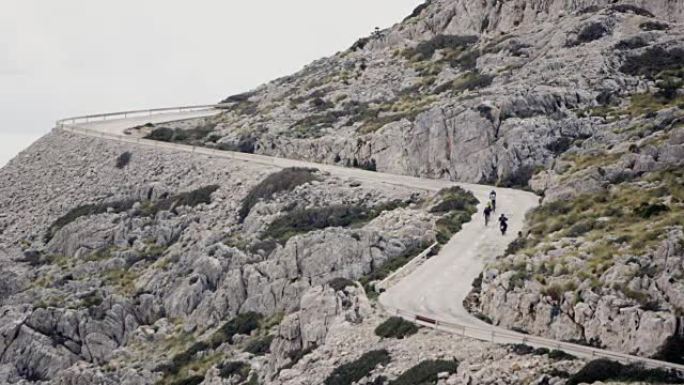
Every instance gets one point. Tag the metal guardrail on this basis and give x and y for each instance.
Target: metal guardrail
(493, 334)
(385, 283)
(137, 113)
(503, 336)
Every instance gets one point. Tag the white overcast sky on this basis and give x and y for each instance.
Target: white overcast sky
(72, 57)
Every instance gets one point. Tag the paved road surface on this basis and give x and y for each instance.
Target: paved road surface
(432, 294)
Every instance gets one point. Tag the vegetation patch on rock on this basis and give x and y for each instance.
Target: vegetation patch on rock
(123, 160)
(606, 370)
(396, 327)
(351, 372)
(426, 372)
(282, 181)
(306, 220)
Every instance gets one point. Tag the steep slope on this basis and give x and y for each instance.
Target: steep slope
(433, 97)
(580, 101)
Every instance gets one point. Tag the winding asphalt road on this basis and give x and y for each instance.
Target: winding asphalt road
(431, 294)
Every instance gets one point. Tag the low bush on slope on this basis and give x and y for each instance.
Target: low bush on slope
(339, 284)
(457, 206)
(426, 49)
(426, 372)
(629, 8)
(282, 181)
(351, 372)
(590, 32)
(471, 81)
(178, 135)
(653, 61)
(306, 220)
(123, 160)
(180, 365)
(259, 346)
(149, 208)
(606, 370)
(654, 26)
(396, 327)
(455, 198)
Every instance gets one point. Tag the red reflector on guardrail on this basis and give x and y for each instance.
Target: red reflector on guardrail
(425, 319)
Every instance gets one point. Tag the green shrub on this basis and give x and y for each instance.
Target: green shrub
(87, 210)
(451, 224)
(339, 284)
(581, 228)
(455, 198)
(284, 180)
(426, 372)
(360, 44)
(484, 318)
(473, 80)
(605, 370)
(306, 220)
(672, 350)
(245, 144)
(354, 371)
(368, 165)
(267, 245)
(629, 8)
(631, 43)
(649, 210)
(192, 198)
(559, 145)
(123, 160)
(182, 359)
(189, 136)
(519, 178)
(518, 244)
(192, 380)
(560, 355)
(654, 26)
(234, 368)
(163, 134)
(540, 351)
(653, 61)
(297, 355)
(590, 32)
(312, 125)
(589, 9)
(259, 346)
(426, 49)
(522, 349)
(243, 323)
(396, 327)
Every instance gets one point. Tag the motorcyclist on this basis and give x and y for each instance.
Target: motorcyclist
(503, 224)
(487, 213)
(492, 200)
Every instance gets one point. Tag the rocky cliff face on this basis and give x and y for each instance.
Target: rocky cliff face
(440, 96)
(93, 254)
(576, 100)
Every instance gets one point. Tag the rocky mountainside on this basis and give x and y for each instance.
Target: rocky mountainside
(123, 264)
(465, 90)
